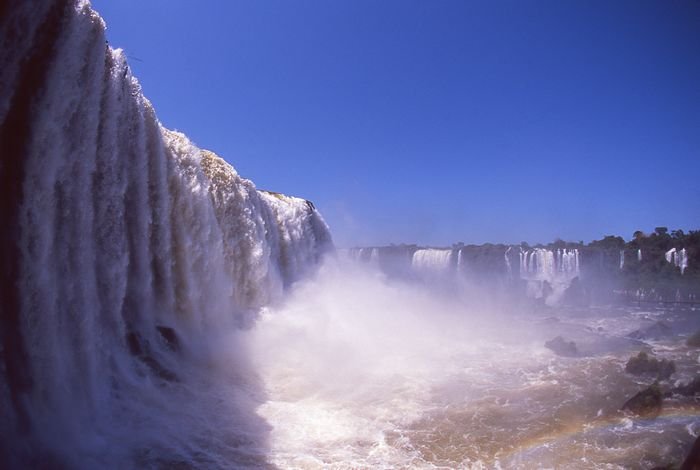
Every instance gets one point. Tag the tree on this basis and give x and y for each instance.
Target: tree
(661, 231)
(678, 234)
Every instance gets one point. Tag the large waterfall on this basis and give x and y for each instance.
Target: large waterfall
(126, 252)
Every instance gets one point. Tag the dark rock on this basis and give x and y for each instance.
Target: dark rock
(692, 461)
(642, 364)
(694, 340)
(133, 340)
(168, 334)
(562, 347)
(690, 389)
(647, 402)
(657, 331)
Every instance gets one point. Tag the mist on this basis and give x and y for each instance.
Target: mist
(367, 369)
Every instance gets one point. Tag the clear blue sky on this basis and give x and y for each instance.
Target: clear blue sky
(433, 122)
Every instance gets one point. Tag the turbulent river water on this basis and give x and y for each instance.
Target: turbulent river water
(363, 372)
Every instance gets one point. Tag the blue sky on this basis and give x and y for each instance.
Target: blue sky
(434, 122)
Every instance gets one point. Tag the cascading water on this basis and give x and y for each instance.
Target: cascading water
(509, 268)
(129, 252)
(432, 260)
(671, 255)
(557, 269)
(678, 258)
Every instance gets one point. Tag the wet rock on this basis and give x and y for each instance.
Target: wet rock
(692, 461)
(657, 331)
(642, 364)
(133, 341)
(170, 337)
(562, 347)
(694, 340)
(690, 389)
(645, 403)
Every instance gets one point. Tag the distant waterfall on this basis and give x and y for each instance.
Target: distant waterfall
(547, 265)
(556, 268)
(369, 255)
(679, 258)
(124, 238)
(509, 268)
(622, 259)
(432, 260)
(639, 255)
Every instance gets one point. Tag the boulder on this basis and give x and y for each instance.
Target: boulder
(562, 347)
(692, 460)
(642, 364)
(694, 340)
(645, 403)
(657, 331)
(690, 389)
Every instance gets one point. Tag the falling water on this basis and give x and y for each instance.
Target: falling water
(678, 258)
(134, 250)
(431, 260)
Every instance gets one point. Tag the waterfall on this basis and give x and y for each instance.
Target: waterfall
(509, 268)
(639, 255)
(678, 258)
(622, 259)
(126, 241)
(557, 269)
(682, 260)
(431, 260)
(671, 256)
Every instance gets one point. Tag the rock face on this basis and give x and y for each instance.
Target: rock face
(642, 364)
(658, 330)
(562, 347)
(645, 403)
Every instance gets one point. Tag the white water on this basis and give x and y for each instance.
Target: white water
(404, 377)
(126, 226)
(679, 258)
(557, 268)
(432, 260)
